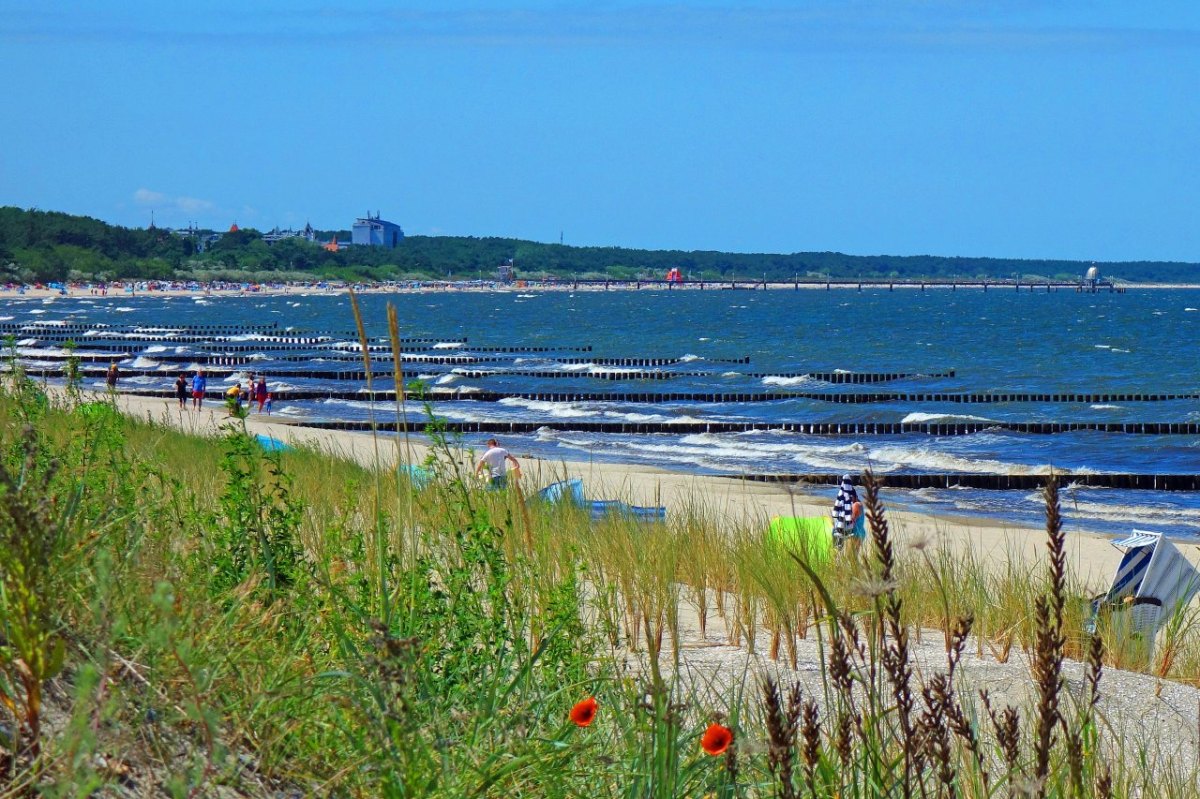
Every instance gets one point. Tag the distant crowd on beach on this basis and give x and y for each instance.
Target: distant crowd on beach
(195, 388)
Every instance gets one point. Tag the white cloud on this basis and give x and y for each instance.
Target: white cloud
(166, 202)
(148, 197)
(194, 205)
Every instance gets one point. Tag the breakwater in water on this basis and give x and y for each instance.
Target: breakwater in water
(995, 386)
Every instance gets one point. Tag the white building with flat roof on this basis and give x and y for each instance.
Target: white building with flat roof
(375, 232)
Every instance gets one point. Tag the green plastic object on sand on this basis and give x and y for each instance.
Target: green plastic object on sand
(800, 534)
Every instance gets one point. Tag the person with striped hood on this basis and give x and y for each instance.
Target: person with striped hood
(848, 517)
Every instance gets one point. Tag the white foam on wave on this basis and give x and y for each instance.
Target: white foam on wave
(1105, 407)
(5, 318)
(144, 363)
(124, 309)
(689, 357)
(1102, 346)
(611, 370)
(156, 348)
(917, 417)
(719, 450)
(778, 380)
(630, 416)
(446, 379)
(415, 357)
(447, 345)
(37, 311)
(565, 410)
(1186, 309)
(1136, 513)
(359, 404)
(462, 415)
(925, 458)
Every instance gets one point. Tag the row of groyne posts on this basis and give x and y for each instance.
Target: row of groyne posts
(941, 429)
(1160, 482)
(1084, 286)
(1000, 482)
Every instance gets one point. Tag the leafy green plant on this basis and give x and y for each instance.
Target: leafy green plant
(257, 526)
(32, 648)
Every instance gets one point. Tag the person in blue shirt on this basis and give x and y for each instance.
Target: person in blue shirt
(199, 383)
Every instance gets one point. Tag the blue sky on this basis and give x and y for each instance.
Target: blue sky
(1064, 129)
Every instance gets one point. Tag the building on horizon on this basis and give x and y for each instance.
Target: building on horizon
(506, 272)
(375, 232)
(308, 234)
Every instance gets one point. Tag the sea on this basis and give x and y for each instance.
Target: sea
(1142, 341)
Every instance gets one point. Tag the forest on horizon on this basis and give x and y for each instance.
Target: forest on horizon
(49, 246)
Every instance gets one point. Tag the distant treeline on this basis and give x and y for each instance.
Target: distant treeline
(50, 246)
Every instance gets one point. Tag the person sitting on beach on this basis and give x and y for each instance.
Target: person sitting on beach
(858, 527)
(233, 399)
(496, 460)
(199, 384)
(182, 391)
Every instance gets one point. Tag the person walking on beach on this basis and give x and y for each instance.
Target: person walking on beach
(496, 459)
(260, 392)
(182, 391)
(844, 519)
(199, 384)
(267, 405)
(112, 376)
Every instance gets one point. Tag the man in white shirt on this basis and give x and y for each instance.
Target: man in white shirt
(496, 460)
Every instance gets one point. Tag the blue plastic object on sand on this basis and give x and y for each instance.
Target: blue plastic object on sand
(564, 490)
(418, 476)
(572, 491)
(271, 444)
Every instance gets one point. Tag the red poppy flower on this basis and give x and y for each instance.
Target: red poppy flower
(583, 712)
(716, 739)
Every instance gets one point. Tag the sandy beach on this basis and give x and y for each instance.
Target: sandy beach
(742, 504)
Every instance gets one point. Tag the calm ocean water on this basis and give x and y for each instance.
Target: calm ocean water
(1061, 342)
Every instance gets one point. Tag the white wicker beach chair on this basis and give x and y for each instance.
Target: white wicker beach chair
(1152, 582)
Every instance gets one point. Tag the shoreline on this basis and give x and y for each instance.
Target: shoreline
(474, 287)
(740, 505)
